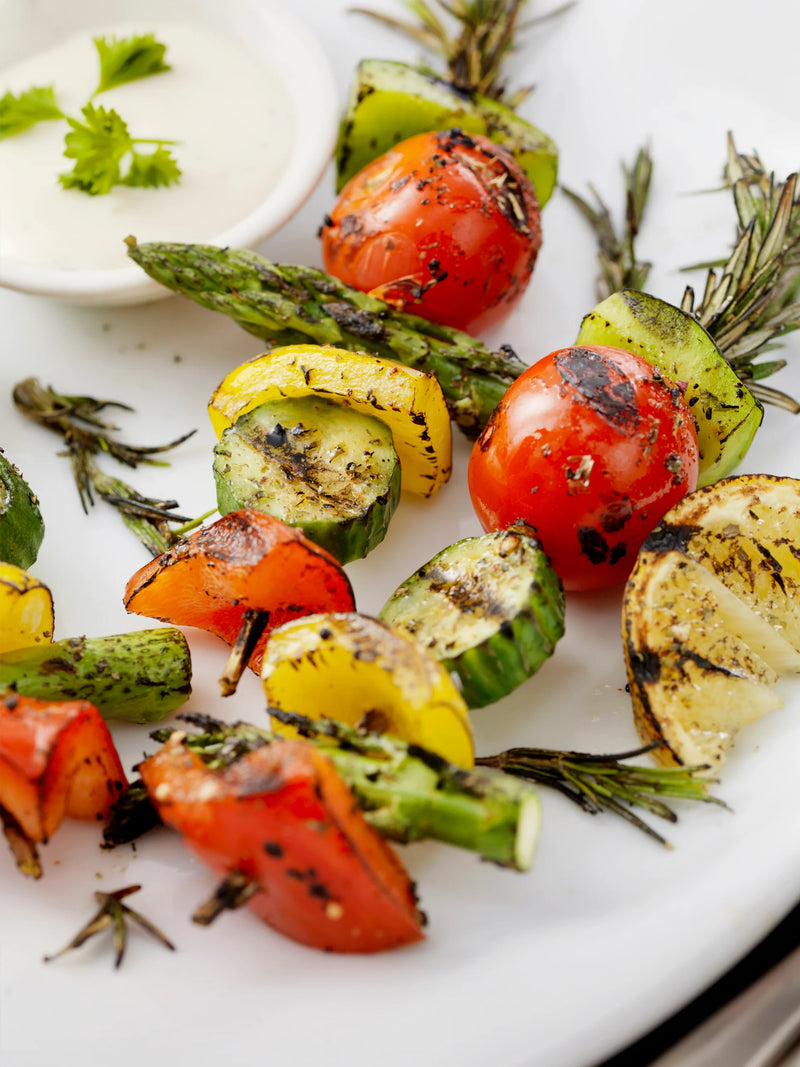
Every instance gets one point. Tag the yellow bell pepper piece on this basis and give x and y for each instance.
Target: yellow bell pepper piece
(26, 609)
(359, 670)
(409, 401)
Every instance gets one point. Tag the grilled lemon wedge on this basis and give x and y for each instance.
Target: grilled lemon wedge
(709, 621)
(747, 531)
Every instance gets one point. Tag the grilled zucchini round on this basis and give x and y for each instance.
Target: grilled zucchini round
(490, 608)
(314, 464)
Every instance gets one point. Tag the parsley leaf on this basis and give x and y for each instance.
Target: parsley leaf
(97, 146)
(101, 142)
(152, 169)
(127, 59)
(18, 113)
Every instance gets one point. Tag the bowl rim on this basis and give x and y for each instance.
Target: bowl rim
(315, 96)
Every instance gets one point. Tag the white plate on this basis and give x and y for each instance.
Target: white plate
(609, 933)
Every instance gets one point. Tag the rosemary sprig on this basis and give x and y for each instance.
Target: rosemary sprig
(619, 267)
(77, 419)
(750, 300)
(475, 54)
(598, 783)
(114, 913)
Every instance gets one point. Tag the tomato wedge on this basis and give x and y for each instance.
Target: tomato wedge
(56, 759)
(247, 561)
(283, 819)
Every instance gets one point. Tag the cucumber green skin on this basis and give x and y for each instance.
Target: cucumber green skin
(725, 411)
(495, 666)
(390, 102)
(346, 539)
(139, 677)
(21, 523)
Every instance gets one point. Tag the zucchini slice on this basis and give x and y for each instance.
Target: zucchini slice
(392, 101)
(409, 401)
(315, 464)
(489, 608)
(21, 523)
(726, 412)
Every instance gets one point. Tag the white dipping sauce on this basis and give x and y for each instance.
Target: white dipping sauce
(233, 120)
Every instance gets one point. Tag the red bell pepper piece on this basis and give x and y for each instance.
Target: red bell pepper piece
(283, 819)
(56, 759)
(245, 564)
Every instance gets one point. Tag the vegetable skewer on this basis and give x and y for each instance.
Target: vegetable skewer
(405, 791)
(409, 794)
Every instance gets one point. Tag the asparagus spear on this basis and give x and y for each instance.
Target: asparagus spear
(140, 676)
(291, 304)
(406, 792)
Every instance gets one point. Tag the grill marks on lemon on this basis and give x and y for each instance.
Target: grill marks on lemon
(710, 619)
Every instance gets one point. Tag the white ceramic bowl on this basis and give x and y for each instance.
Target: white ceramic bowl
(272, 35)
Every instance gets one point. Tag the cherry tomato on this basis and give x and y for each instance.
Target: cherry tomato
(590, 446)
(444, 225)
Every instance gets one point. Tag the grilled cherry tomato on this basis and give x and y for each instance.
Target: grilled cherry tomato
(444, 225)
(590, 446)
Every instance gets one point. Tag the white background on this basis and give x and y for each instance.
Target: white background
(608, 933)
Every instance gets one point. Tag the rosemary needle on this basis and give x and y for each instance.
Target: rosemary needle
(78, 420)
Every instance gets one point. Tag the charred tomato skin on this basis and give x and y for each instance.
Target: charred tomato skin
(590, 446)
(445, 225)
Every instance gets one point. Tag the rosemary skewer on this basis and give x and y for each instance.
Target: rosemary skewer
(619, 266)
(474, 55)
(485, 36)
(598, 783)
(750, 300)
(77, 419)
